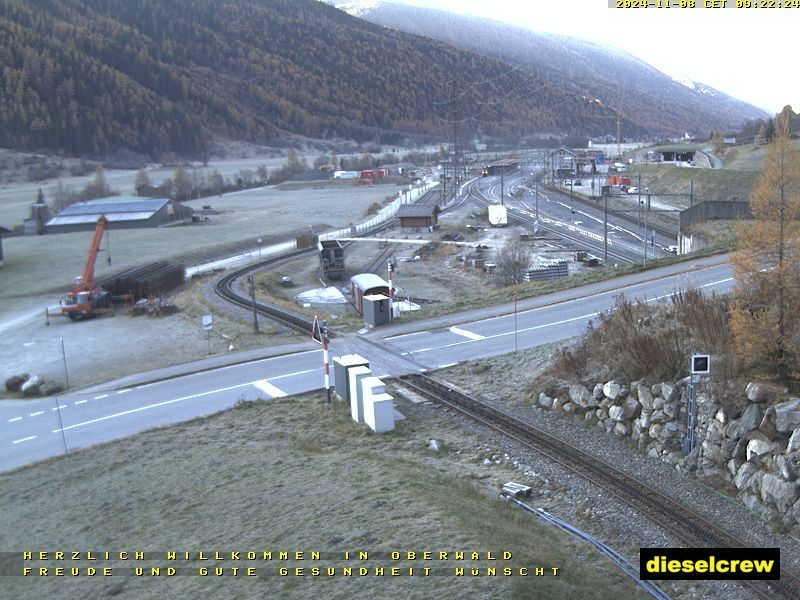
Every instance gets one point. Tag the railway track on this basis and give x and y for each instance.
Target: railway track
(530, 223)
(226, 286)
(690, 527)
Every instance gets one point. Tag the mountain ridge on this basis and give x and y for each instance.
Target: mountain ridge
(166, 77)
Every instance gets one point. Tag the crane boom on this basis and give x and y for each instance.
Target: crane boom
(87, 280)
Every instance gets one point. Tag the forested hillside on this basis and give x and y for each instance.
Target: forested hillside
(92, 77)
(647, 98)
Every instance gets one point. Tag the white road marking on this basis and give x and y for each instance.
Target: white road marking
(101, 396)
(498, 335)
(448, 365)
(60, 406)
(149, 406)
(266, 387)
(82, 401)
(467, 334)
(123, 391)
(36, 414)
(293, 374)
(15, 419)
(24, 439)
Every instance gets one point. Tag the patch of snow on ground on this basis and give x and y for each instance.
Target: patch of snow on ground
(326, 295)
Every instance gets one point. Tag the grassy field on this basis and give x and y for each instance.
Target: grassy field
(298, 477)
(705, 184)
(37, 264)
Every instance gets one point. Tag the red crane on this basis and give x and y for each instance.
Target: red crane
(87, 299)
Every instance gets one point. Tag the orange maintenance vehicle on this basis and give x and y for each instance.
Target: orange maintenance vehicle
(87, 299)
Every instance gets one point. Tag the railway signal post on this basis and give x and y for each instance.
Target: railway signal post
(700, 365)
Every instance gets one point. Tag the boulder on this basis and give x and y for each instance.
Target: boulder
(579, 395)
(751, 418)
(721, 416)
(655, 431)
(631, 407)
(733, 466)
(670, 392)
(714, 432)
(658, 403)
(643, 421)
(645, 396)
(760, 448)
(787, 415)
(621, 429)
(558, 403)
(568, 408)
(794, 441)
(14, 383)
(659, 416)
(780, 493)
(744, 474)
(767, 425)
(762, 392)
(617, 413)
(711, 451)
(788, 465)
(612, 390)
(671, 411)
(601, 414)
(597, 392)
(50, 388)
(433, 445)
(31, 387)
(545, 401)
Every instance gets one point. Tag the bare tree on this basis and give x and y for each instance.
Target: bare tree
(513, 262)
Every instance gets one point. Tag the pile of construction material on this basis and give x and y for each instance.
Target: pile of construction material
(154, 307)
(145, 282)
(547, 270)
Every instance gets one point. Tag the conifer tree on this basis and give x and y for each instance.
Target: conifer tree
(765, 316)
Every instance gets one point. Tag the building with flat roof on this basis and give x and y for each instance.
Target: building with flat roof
(122, 212)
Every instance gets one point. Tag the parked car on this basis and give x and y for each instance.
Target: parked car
(633, 190)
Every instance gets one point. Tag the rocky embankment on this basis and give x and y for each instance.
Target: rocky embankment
(747, 443)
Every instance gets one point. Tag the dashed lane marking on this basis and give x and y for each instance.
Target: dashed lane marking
(36, 414)
(82, 402)
(15, 419)
(24, 439)
(99, 397)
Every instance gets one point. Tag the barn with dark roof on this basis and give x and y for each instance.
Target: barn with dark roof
(122, 212)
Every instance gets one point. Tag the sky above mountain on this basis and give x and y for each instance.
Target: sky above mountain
(746, 53)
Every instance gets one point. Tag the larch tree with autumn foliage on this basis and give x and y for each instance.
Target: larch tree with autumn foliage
(765, 314)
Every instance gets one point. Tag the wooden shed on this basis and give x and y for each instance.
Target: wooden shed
(417, 215)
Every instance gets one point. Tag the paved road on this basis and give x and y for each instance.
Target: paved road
(31, 430)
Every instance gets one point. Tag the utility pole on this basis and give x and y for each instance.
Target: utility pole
(605, 225)
(252, 281)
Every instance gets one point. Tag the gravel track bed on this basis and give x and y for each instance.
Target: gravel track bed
(612, 520)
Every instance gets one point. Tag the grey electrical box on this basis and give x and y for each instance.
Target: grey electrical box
(341, 380)
(376, 310)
